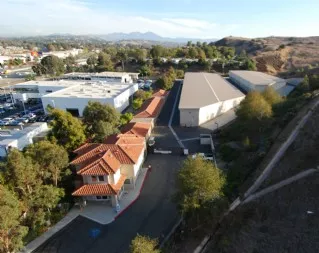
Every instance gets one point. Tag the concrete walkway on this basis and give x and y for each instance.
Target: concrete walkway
(99, 212)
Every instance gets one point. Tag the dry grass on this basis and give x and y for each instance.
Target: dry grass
(277, 222)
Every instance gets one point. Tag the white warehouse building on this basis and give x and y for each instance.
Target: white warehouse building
(254, 80)
(118, 77)
(37, 89)
(206, 96)
(75, 98)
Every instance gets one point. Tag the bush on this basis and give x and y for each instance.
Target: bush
(144, 95)
(137, 103)
(229, 154)
(126, 118)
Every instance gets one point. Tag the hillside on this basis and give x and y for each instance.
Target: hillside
(286, 219)
(277, 54)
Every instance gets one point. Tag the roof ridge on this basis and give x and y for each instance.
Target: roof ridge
(209, 84)
(122, 149)
(91, 151)
(107, 162)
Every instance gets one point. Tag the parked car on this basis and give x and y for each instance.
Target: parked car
(151, 141)
(16, 123)
(6, 121)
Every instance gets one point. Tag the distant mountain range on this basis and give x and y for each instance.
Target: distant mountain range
(149, 36)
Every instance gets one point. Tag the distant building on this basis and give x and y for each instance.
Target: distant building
(253, 80)
(206, 96)
(63, 54)
(19, 138)
(118, 77)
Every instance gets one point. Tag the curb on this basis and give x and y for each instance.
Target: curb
(134, 200)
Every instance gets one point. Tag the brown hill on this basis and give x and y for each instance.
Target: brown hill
(278, 54)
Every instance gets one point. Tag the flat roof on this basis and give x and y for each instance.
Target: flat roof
(62, 83)
(256, 78)
(8, 135)
(107, 74)
(92, 90)
(203, 89)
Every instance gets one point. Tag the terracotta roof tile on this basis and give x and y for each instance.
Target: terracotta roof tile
(151, 108)
(100, 189)
(138, 128)
(91, 154)
(105, 165)
(160, 93)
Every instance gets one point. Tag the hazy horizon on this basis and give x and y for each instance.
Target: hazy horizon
(202, 19)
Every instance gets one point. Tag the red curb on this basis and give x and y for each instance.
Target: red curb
(134, 200)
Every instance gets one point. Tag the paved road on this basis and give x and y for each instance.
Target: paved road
(153, 214)
(165, 115)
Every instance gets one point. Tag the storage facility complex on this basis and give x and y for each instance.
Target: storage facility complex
(258, 81)
(76, 97)
(206, 96)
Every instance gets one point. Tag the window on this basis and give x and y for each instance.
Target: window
(102, 197)
(101, 178)
(94, 178)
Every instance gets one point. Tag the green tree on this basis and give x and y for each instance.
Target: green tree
(24, 177)
(157, 51)
(271, 96)
(189, 43)
(52, 159)
(137, 103)
(11, 232)
(92, 61)
(95, 117)
(102, 130)
(51, 48)
(253, 107)
(249, 64)
(143, 244)
(104, 62)
(66, 130)
(145, 71)
(122, 56)
(164, 83)
(126, 118)
(22, 174)
(193, 53)
(304, 85)
(180, 74)
(52, 65)
(198, 182)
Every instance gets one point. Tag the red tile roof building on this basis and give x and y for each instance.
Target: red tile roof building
(100, 165)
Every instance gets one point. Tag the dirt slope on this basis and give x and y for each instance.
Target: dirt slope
(294, 52)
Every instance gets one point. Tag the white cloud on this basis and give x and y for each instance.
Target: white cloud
(28, 17)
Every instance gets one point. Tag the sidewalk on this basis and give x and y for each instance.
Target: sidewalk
(99, 212)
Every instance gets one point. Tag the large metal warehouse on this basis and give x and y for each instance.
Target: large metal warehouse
(205, 96)
(254, 80)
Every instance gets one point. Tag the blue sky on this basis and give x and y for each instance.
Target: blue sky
(170, 18)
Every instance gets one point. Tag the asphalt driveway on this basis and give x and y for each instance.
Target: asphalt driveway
(153, 214)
